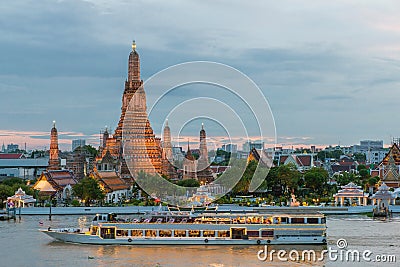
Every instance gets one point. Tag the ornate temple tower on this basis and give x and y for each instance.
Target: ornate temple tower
(167, 156)
(133, 143)
(106, 135)
(132, 84)
(141, 149)
(54, 162)
(189, 165)
(167, 144)
(204, 174)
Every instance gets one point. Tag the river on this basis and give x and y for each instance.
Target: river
(21, 244)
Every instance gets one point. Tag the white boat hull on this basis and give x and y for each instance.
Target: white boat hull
(82, 238)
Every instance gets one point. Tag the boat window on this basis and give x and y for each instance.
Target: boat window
(284, 219)
(151, 233)
(95, 219)
(297, 220)
(107, 233)
(207, 233)
(312, 220)
(268, 221)
(194, 233)
(223, 233)
(136, 233)
(267, 233)
(122, 232)
(94, 230)
(251, 233)
(238, 233)
(323, 220)
(180, 233)
(165, 233)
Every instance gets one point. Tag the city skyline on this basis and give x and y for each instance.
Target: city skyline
(327, 83)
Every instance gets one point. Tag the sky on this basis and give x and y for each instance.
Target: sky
(329, 69)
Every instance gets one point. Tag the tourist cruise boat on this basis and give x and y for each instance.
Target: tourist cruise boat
(211, 228)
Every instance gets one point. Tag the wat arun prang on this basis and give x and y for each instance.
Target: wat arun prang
(134, 143)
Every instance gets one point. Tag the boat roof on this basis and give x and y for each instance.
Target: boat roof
(254, 214)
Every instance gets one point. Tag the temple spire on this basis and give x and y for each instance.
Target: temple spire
(134, 65)
(133, 45)
(54, 162)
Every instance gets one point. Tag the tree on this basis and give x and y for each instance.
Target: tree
(345, 178)
(324, 154)
(242, 187)
(360, 157)
(189, 183)
(14, 183)
(364, 173)
(288, 177)
(5, 192)
(88, 189)
(316, 179)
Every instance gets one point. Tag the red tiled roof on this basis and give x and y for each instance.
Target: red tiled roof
(346, 163)
(304, 160)
(61, 177)
(10, 155)
(282, 159)
(58, 179)
(110, 180)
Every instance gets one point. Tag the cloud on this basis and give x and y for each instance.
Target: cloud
(333, 97)
(41, 140)
(329, 70)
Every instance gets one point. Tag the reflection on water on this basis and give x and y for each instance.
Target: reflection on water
(22, 245)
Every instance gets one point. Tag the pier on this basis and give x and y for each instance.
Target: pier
(131, 210)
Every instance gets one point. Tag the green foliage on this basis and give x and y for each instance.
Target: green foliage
(345, 178)
(75, 203)
(242, 187)
(361, 167)
(288, 176)
(14, 183)
(189, 183)
(315, 179)
(373, 181)
(324, 154)
(222, 153)
(88, 149)
(5, 192)
(364, 173)
(360, 157)
(88, 189)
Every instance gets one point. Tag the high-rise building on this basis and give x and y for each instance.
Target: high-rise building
(232, 148)
(12, 148)
(54, 161)
(248, 146)
(368, 145)
(78, 143)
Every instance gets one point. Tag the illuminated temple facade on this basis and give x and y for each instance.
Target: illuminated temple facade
(141, 149)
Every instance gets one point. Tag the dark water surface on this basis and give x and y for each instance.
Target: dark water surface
(21, 244)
